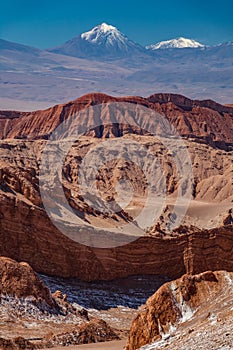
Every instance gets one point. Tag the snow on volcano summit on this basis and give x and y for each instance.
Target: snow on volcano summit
(178, 43)
(102, 40)
(105, 34)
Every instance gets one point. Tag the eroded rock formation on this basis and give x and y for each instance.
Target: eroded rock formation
(19, 280)
(52, 320)
(205, 120)
(95, 331)
(176, 302)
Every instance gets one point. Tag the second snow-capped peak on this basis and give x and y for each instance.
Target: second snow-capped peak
(178, 43)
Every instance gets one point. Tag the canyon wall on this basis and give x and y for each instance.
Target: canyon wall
(27, 234)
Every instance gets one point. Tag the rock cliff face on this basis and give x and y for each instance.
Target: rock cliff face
(27, 234)
(191, 299)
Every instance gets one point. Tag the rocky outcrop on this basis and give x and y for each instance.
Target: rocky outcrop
(188, 104)
(26, 301)
(205, 120)
(95, 331)
(18, 343)
(178, 302)
(19, 280)
(228, 220)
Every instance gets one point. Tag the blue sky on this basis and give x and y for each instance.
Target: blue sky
(49, 23)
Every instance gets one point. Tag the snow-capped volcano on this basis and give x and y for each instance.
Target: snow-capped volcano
(105, 34)
(178, 43)
(103, 40)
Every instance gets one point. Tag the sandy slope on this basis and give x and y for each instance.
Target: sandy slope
(111, 345)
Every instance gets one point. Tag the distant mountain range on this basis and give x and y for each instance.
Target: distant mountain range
(106, 40)
(104, 59)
